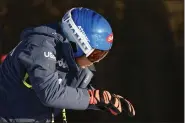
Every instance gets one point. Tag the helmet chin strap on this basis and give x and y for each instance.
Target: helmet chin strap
(74, 46)
(76, 49)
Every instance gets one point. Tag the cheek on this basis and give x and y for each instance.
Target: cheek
(83, 62)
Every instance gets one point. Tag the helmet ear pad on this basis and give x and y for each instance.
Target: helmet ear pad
(76, 49)
(74, 33)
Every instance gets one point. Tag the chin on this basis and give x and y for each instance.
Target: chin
(83, 67)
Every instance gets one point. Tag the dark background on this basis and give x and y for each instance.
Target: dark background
(146, 63)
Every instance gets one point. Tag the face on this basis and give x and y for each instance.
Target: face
(83, 62)
(96, 56)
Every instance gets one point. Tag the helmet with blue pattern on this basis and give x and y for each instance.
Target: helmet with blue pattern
(89, 31)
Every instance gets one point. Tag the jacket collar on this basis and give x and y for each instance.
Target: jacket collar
(66, 49)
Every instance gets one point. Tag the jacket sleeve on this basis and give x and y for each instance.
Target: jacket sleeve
(40, 63)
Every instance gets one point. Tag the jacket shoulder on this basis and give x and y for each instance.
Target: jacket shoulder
(41, 35)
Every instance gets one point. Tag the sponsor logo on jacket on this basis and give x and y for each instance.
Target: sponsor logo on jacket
(61, 63)
(49, 55)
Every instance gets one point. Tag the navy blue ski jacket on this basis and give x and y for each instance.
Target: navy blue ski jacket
(48, 59)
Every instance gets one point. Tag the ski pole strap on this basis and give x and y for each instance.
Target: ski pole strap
(52, 118)
(28, 85)
(64, 116)
(25, 81)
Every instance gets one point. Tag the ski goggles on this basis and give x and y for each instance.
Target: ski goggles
(97, 55)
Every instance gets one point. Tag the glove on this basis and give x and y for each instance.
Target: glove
(112, 103)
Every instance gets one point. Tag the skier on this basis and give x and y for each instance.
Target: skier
(49, 70)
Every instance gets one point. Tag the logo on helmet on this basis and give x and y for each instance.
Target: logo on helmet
(110, 38)
(82, 31)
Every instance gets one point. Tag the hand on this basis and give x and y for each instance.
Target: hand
(112, 103)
